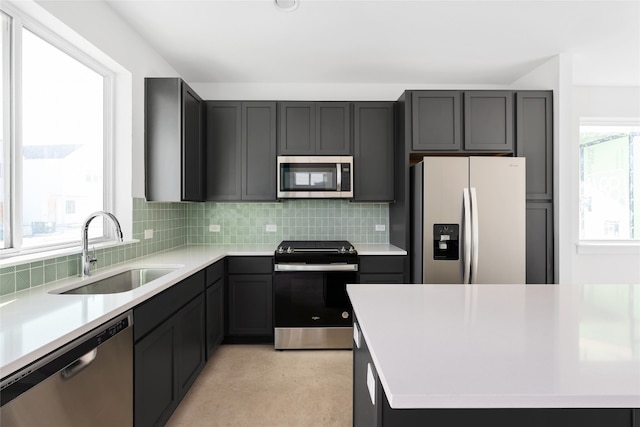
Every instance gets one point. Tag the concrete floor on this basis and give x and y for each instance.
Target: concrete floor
(255, 385)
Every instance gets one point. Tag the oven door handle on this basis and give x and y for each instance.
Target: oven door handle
(315, 267)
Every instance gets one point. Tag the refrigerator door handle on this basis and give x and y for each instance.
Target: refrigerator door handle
(466, 204)
(474, 230)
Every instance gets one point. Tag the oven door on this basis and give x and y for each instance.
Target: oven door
(308, 299)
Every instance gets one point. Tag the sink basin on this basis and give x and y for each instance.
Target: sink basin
(121, 282)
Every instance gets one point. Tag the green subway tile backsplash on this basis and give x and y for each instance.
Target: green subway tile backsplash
(294, 220)
(178, 224)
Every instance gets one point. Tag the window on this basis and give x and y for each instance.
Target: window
(55, 111)
(609, 188)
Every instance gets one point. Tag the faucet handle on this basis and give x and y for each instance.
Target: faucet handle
(93, 258)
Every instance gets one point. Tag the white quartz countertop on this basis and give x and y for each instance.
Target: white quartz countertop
(503, 346)
(35, 322)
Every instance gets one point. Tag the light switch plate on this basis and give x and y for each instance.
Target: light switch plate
(381, 227)
(148, 234)
(271, 228)
(215, 228)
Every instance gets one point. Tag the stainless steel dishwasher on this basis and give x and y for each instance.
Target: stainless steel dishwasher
(88, 382)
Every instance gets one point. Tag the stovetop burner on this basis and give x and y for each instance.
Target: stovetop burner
(315, 247)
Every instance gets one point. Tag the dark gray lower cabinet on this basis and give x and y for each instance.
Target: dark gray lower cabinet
(249, 298)
(169, 349)
(382, 269)
(214, 298)
(155, 396)
(540, 259)
(365, 412)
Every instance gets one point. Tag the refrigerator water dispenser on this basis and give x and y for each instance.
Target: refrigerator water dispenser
(446, 242)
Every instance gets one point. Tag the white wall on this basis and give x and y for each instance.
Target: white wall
(96, 23)
(581, 263)
(604, 263)
(316, 91)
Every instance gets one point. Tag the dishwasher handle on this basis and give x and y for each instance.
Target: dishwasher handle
(79, 364)
(315, 267)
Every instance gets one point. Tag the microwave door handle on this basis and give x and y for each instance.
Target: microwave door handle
(339, 176)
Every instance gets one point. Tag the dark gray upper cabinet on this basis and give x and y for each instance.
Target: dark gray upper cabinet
(314, 128)
(373, 136)
(241, 151)
(173, 141)
(436, 120)
(534, 141)
(259, 151)
(488, 121)
(223, 166)
(332, 128)
(297, 128)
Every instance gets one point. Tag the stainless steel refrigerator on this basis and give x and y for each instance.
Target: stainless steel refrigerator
(468, 219)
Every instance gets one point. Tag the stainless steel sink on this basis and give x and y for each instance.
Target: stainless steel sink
(121, 282)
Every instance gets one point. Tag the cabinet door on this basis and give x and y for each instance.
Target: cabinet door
(223, 151)
(373, 151)
(297, 130)
(436, 121)
(190, 344)
(155, 391)
(540, 262)
(332, 128)
(534, 141)
(250, 311)
(259, 151)
(488, 121)
(173, 141)
(192, 145)
(215, 316)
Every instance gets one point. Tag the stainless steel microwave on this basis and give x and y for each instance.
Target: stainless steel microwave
(315, 177)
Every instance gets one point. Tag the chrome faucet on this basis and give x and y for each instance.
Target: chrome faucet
(86, 259)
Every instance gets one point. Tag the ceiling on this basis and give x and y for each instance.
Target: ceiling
(392, 41)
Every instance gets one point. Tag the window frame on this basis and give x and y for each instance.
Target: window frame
(599, 246)
(13, 222)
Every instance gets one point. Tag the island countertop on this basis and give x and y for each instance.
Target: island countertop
(503, 346)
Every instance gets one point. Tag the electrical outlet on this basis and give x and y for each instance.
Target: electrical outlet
(148, 234)
(271, 228)
(215, 228)
(380, 227)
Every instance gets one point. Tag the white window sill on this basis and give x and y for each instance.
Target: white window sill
(608, 247)
(18, 259)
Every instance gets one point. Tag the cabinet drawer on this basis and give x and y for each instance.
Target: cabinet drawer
(151, 313)
(214, 272)
(250, 265)
(381, 264)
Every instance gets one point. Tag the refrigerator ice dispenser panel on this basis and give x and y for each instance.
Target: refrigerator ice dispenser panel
(446, 242)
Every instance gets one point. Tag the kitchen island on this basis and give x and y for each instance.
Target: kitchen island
(499, 355)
